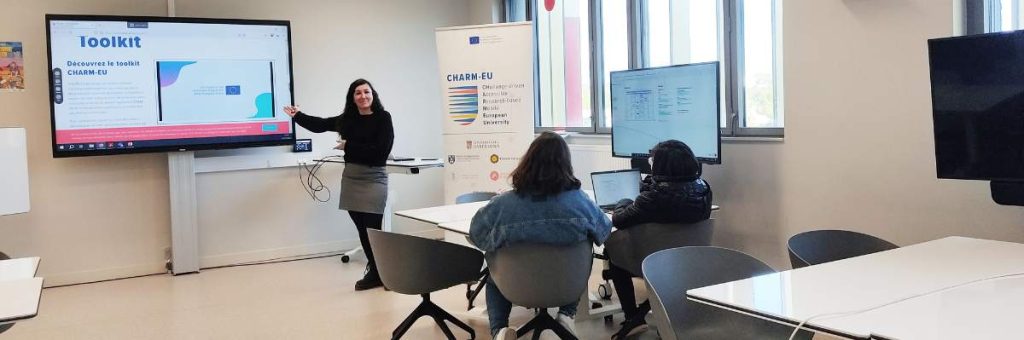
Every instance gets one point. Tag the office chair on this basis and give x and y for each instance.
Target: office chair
(670, 273)
(821, 246)
(418, 266)
(627, 248)
(476, 196)
(542, 276)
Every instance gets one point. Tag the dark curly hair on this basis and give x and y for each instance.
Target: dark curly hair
(546, 168)
(673, 158)
(350, 98)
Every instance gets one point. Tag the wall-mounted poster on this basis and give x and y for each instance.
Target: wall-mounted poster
(12, 66)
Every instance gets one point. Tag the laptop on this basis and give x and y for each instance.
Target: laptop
(612, 186)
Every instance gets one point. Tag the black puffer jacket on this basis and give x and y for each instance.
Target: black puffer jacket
(666, 200)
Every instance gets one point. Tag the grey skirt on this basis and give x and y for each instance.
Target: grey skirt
(364, 188)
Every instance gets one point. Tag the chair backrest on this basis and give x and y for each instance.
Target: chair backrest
(670, 273)
(820, 246)
(539, 275)
(476, 196)
(415, 265)
(627, 248)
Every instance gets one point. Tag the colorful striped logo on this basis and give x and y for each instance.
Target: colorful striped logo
(463, 104)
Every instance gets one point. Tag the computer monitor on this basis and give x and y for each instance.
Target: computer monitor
(678, 102)
(612, 186)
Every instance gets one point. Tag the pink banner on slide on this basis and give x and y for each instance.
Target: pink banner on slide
(171, 132)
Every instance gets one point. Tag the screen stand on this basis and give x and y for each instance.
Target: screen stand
(1007, 193)
(639, 162)
(184, 223)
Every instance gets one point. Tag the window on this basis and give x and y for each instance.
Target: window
(581, 41)
(984, 16)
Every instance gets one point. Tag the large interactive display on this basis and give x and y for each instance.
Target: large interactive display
(153, 84)
(678, 102)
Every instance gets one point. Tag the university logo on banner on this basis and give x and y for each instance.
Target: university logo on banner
(463, 104)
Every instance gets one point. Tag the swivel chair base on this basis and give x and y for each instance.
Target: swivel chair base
(543, 321)
(427, 308)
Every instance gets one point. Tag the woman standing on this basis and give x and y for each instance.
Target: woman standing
(366, 135)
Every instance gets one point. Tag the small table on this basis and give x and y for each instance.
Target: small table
(20, 291)
(444, 213)
(410, 167)
(902, 293)
(20, 268)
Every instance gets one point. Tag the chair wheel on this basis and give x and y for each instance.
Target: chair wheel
(604, 291)
(344, 258)
(609, 319)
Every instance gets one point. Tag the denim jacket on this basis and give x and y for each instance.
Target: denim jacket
(562, 219)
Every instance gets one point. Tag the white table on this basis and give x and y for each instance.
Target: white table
(885, 291)
(20, 268)
(455, 220)
(19, 289)
(444, 213)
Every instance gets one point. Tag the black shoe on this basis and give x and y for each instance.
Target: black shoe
(369, 282)
(371, 279)
(630, 327)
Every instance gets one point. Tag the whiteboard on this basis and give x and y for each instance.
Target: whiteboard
(13, 171)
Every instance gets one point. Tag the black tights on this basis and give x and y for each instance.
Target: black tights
(623, 282)
(363, 221)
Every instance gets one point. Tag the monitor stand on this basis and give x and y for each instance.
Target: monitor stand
(1007, 192)
(639, 162)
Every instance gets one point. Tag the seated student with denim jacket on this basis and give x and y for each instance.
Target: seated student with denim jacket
(545, 206)
(673, 193)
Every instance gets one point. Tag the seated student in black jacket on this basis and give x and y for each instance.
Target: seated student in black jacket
(673, 193)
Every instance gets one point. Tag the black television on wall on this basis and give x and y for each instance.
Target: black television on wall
(123, 84)
(977, 85)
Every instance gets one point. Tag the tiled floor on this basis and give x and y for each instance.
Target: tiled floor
(309, 299)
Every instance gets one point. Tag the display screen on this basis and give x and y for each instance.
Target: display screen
(978, 106)
(675, 102)
(154, 84)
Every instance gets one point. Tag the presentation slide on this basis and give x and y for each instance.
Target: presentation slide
(653, 105)
(153, 85)
(215, 91)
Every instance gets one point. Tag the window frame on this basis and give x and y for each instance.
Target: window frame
(731, 61)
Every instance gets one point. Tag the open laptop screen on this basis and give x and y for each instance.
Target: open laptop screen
(612, 186)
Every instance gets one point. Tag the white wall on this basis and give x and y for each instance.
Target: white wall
(105, 217)
(859, 149)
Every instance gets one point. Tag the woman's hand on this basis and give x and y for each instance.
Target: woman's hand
(623, 203)
(291, 110)
(341, 145)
